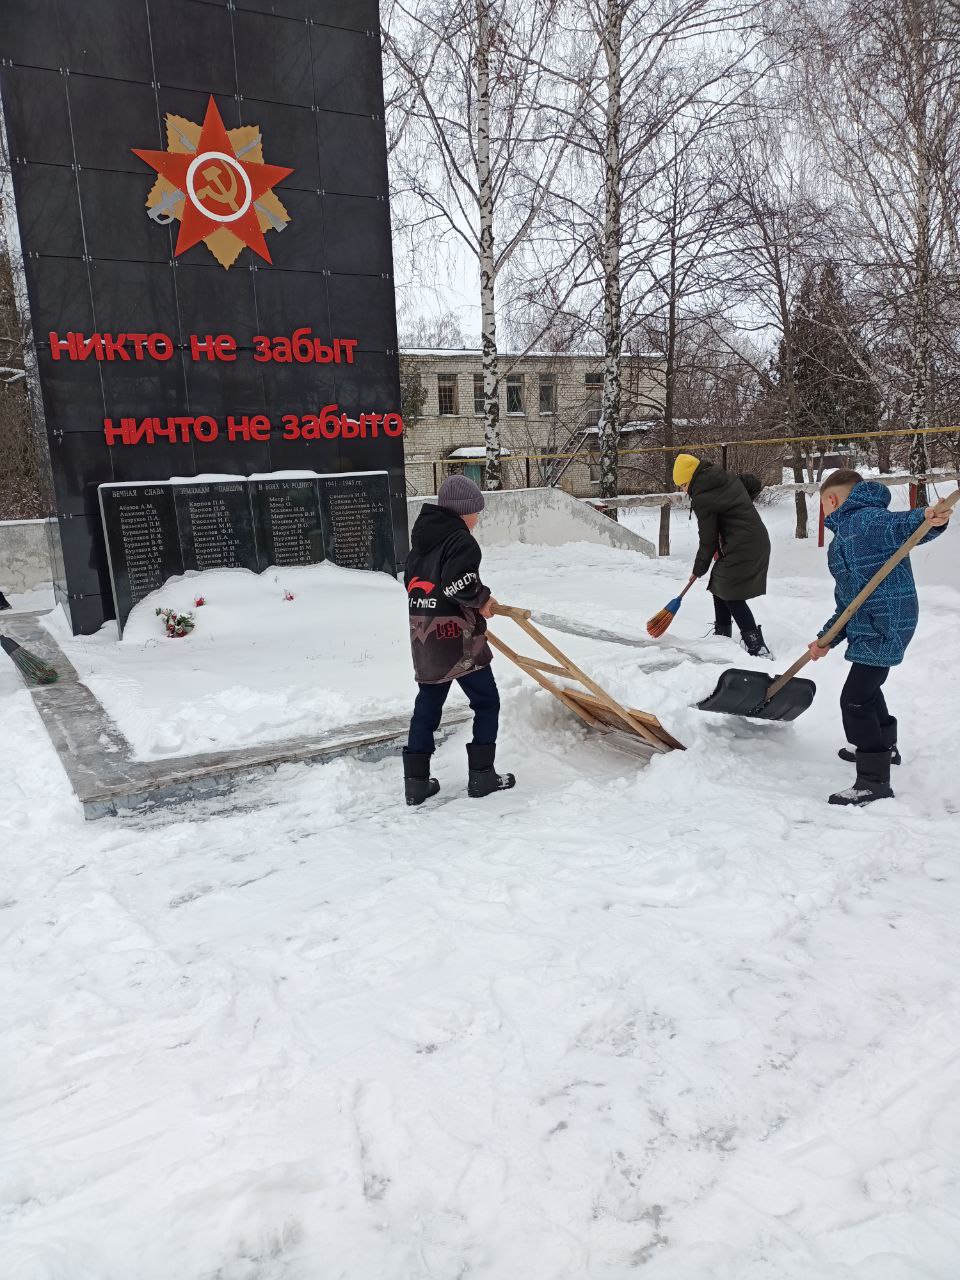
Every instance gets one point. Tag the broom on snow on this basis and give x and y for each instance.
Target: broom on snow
(33, 669)
(660, 621)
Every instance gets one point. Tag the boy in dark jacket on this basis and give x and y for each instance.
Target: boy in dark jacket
(448, 605)
(865, 535)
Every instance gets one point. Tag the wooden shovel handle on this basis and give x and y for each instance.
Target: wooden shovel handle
(832, 632)
(511, 611)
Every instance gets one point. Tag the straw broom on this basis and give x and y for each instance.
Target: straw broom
(660, 621)
(33, 669)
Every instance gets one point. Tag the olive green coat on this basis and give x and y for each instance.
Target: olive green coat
(729, 524)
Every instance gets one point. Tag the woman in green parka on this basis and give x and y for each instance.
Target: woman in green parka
(732, 533)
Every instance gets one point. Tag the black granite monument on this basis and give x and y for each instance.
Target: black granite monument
(215, 523)
(201, 192)
(354, 511)
(154, 531)
(140, 522)
(288, 517)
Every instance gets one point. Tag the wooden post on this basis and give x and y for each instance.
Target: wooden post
(526, 463)
(820, 528)
(723, 456)
(435, 484)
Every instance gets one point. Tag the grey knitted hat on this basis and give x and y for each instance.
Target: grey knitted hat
(461, 495)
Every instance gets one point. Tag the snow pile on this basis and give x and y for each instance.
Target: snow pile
(258, 667)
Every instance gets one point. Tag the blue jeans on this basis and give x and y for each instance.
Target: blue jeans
(483, 696)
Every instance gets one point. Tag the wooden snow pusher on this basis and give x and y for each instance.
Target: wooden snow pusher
(595, 707)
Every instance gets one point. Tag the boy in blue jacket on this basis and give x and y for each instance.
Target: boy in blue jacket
(865, 535)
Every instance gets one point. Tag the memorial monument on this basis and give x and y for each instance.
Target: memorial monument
(201, 197)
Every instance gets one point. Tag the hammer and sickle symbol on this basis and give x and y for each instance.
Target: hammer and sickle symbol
(227, 186)
(216, 191)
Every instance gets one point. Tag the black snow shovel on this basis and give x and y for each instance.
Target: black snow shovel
(766, 697)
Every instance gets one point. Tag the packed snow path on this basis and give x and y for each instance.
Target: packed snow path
(683, 1021)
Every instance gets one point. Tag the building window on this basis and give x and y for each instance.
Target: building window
(548, 393)
(478, 407)
(593, 388)
(447, 393)
(474, 471)
(514, 393)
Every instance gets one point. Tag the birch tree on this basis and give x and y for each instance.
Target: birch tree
(483, 140)
(662, 61)
(882, 87)
(777, 232)
(608, 428)
(690, 210)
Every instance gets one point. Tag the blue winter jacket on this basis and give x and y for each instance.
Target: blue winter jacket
(865, 535)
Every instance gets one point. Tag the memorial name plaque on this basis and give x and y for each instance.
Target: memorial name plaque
(158, 531)
(216, 526)
(143, 545)
(355, 510)
(288, 512)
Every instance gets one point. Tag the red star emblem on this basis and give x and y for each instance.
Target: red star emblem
(220, 187)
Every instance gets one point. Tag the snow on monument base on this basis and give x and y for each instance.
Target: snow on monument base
(545, 518)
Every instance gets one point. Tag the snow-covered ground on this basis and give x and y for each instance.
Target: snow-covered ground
(683, 1021)
(30, 601)
(258, 666)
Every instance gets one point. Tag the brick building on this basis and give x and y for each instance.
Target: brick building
(549, 404)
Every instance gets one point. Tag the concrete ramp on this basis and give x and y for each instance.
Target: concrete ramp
(545, 518)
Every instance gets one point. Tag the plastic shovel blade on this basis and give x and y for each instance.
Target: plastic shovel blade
(742, 693)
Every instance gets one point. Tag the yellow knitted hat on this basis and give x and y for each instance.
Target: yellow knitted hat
(684, 467)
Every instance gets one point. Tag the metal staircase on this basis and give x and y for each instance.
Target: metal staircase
(571, 448)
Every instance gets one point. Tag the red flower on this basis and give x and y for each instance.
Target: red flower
(288, 595)
(199, 601)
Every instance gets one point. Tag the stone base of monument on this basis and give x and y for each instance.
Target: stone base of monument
(108, 782)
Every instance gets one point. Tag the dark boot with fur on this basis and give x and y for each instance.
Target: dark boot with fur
(755, 644)
(484, 779)
(872, 782)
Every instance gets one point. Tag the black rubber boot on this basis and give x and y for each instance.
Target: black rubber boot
(872, 782)
(484, 779)
(849, 754)
(889, 734)
(723, 629)
(755, 644)
(417, 783)
(889, 731)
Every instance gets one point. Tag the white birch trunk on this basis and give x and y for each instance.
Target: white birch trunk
(793, 415)
(670, 383)
(920, 399)
(491, 379)
(610, 410)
